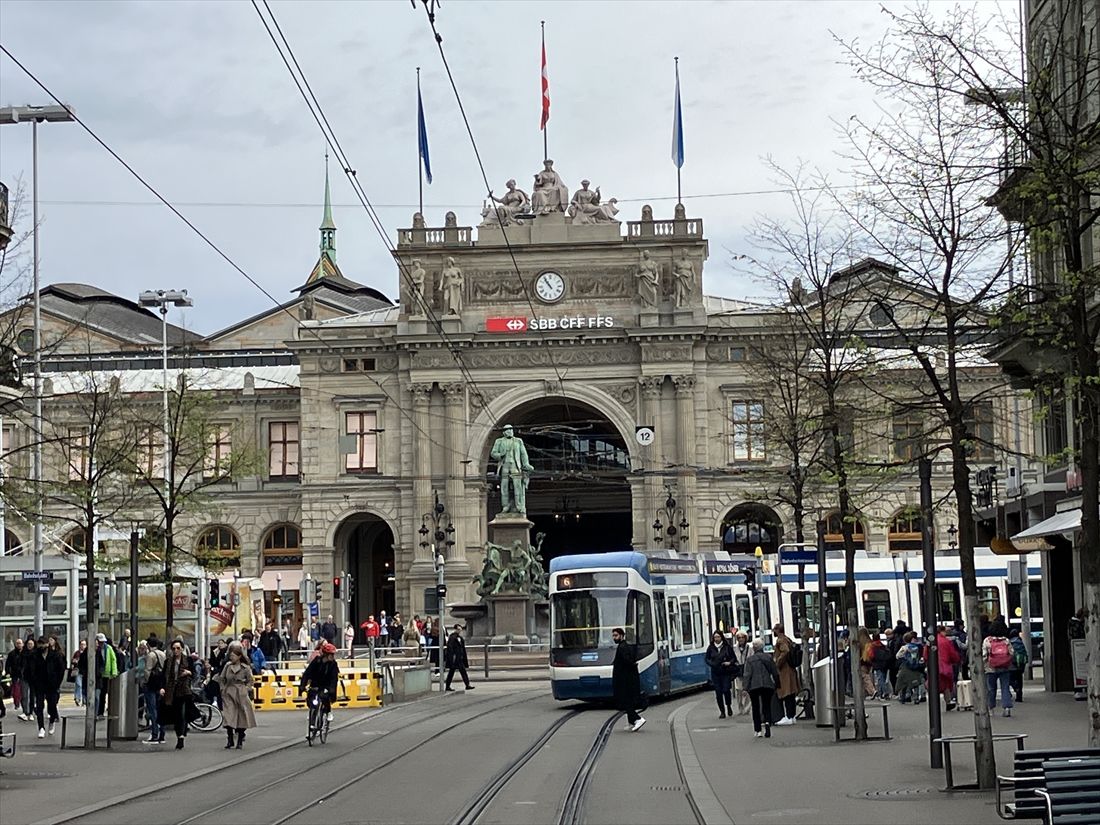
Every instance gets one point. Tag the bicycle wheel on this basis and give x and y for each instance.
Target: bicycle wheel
(312, 729)
(210, 718)
(323, 731)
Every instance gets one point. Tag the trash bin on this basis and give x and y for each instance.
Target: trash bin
(824, 684)
(122, 705)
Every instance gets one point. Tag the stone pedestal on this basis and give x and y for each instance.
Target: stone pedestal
(508, 528)
(508, 612)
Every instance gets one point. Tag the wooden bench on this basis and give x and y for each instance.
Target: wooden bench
(81, 718)
(948, 766)
(1027, 777)
(1071, 791)
(849, 708)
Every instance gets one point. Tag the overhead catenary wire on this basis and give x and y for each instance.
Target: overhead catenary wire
(286, 53)
(206, 239)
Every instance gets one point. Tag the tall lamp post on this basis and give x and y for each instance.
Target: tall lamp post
(666, 536)
(443, 539)
(36, 114)
(162, 299)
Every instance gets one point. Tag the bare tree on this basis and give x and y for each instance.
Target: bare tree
(205, 451)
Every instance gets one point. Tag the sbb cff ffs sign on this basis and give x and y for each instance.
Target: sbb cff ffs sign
(518, 323)
(511, 324)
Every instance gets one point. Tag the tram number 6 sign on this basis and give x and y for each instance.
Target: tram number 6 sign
(644, 435)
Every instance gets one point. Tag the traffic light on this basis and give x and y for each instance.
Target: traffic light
(317, 591)
(349, 589)
(750, 578)
(215, 593)
(93, 594)
(336, 588)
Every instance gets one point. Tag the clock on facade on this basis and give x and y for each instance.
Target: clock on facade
(550, 286)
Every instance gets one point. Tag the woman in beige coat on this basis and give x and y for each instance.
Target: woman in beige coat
(235, 680)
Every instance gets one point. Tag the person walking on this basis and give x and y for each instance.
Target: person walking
(234, 681)
(177, 701)
(271, 643)
(254, 655)
(328, 630)
(788, 674)
(960, 645)
(383, 631)
(349, 638)
(721, 661)
(154, 681)
(626, 684)
(880, 665)
(741, 652)
(303, 636)
(456, 658)
(761, 678)
(103, 667)
(34, 674)
(26, 699)
(948, 662)
(910, 670)
(998, 658)
(412, 638)
(79, 691)
(1019, 662)
(13, 666)
(53, 676)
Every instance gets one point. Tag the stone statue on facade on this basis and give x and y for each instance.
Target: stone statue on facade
(586, 206)
(550, 194)
(514, 206)
(683, 271)
(452, 282)
(514, 471)
(525, 571)
(649, 280)
(417, 277)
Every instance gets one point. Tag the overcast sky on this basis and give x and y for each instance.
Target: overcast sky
(195, 97)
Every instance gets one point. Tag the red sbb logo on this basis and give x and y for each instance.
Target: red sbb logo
(511, 324)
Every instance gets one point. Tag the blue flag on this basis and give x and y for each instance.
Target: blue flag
(422, 135)
(677, 127)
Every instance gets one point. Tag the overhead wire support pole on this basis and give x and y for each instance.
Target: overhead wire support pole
(419, 160)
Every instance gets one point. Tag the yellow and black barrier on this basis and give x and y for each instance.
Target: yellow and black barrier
(279, 690)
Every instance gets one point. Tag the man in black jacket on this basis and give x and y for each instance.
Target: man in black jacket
(626, 685)
(271, 643)
(456, 658)
(13, 666)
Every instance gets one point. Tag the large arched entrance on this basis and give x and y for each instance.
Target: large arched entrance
(579, 494)
(364, 549)
(751, 525)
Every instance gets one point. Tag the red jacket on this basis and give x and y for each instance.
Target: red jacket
(949, 657)
(372, 629)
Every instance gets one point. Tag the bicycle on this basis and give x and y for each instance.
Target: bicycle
(210, 718)
(318, 718)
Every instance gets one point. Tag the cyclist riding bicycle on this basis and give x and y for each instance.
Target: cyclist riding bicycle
(321, 677)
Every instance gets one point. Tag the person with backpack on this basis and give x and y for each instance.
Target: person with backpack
(999, 662)
(881, 661)
(910, 684)
(1019, 662)
(761, 677)
(154, 681)
(788, 658)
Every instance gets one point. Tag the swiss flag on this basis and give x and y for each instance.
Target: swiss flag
(515, 323)
(545, 89)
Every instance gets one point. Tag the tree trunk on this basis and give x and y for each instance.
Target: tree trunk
(92, 629)
(1089, 549)
(169, 612)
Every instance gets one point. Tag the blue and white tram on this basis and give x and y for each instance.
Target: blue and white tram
(660, 602)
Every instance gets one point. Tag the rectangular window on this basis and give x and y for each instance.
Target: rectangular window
(364, 426)
(685, 624)
(979, 422)
(876, 609)
(744, 612)
(806, 607)
(149, 460)
(697, 621)
(948, 606)
(219, 447)
(76, 453)
(989, 601)
(1054, 426)
(908, 435)
(723, 611)
(8, 435)
(747, 430)
(282, 446)
(659, 612)
(737, 354)
(674, 635)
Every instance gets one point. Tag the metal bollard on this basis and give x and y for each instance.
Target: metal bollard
(486, 649)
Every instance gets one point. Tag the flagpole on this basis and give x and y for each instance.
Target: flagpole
(679, 199)
(545, 130)
(419, 161)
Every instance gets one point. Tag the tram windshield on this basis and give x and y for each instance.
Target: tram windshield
(584, 619)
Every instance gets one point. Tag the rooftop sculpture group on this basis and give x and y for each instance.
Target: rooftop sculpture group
(549, 196)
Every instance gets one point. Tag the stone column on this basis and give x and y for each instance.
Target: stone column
(651, 414)
(685, 438)
(454, 396)
(422, 460)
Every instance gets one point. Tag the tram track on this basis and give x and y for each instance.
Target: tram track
(572, 810)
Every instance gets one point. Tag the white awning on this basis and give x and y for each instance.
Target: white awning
(1060, 523)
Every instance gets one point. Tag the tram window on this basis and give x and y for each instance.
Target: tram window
(876, 609)
(744, 613)
(674, 635)
(697, 620)
(659, 612)
(989, 601)
(839, 597)
(1013, 592)
(685, 624)
(806, 606)
(948, 608)
(639, 617)
(723, 611)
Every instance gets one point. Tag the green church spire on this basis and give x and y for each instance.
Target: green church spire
(328, 227)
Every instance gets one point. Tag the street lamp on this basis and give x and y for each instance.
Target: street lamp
(443, 539)
(671, 512)
(952, 535)
(36, 114)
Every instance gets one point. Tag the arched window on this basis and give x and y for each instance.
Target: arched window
(904, 534)
(834, 538)
(219, 544)
(283, 546)
(749, 526)
(12, 545)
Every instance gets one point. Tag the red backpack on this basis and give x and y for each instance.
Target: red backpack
(1000, 653)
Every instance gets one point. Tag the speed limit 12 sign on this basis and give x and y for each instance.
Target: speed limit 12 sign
(644, 435)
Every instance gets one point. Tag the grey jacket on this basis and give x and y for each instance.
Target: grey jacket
(760, 672)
